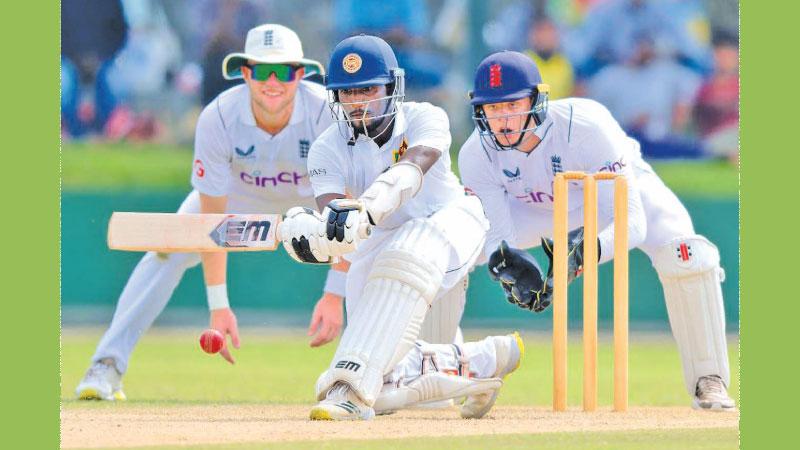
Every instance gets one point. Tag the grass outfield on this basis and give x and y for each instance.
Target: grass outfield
(171, 380)
(169, 367)
(88, 166)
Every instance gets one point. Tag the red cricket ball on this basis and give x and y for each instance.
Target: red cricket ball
(212, 341)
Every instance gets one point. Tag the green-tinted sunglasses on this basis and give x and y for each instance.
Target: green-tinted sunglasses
(262, 72)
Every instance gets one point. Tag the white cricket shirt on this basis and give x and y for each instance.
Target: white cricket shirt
(577, 135)
(335, 167)
(259, 172)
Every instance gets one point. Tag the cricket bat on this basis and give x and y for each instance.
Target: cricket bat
(185, 233)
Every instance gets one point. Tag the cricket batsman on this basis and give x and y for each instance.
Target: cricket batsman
(392, 206)
(520, 142)
(251, 146)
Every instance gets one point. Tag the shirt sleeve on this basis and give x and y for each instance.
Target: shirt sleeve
(430, 127)
(211, 171)
(476, 174)
(324, 171)
(609, 148)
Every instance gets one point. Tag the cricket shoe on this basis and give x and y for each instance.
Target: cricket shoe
(341, 403)
(509, 351)
(711, 395)
(101, 382)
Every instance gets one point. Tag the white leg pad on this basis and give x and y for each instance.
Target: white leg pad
(441, 324)
(403, 282)
(691, 277)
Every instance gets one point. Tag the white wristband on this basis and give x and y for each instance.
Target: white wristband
(335, 282)
(217, 297)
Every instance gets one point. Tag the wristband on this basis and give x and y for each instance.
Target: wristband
(335, 282)
(217, 297)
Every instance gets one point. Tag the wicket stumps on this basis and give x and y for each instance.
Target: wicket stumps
(560, 296)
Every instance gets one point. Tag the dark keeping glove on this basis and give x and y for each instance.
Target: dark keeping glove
(519, 275)
(574, 254)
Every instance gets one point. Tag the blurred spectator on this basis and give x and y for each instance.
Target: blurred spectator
(509, 28)
(92, 32)
(545, 49)
(651, 96)
(717, 110)
(679, 28)
(405, 25)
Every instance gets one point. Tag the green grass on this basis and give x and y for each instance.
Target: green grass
(705, 439)
(170, 368)
(87, 166)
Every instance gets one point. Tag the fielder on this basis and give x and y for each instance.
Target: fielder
(251, 147)
(510, 161)
(408, 230)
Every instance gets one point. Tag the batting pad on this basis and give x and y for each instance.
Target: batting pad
(403, 282)
(691, 277)
(441, 323)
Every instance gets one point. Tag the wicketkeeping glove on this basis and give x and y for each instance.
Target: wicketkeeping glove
(574, 254)
(520, 277)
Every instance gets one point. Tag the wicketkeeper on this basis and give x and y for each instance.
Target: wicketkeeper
(521, 141)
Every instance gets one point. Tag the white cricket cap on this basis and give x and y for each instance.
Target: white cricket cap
(272, 44)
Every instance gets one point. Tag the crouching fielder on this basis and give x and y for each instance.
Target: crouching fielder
(409, 232)
(510, 161)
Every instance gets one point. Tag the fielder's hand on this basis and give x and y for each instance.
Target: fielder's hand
(520, 277)
(327, 319)
(224, 321)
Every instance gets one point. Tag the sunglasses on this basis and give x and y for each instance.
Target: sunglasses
(262, 72)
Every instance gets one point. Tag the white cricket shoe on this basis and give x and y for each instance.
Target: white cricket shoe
(341, 403)
(711, 395)
(101, 382)
(509, 350)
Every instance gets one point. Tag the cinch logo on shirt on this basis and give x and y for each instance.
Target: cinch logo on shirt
(265, 181)
(615, 166)
(534, 197)
(249, 153)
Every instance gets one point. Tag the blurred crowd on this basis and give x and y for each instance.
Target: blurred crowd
(667, 69)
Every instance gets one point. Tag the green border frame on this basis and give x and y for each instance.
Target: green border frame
(769, 310)
(31, 158)
(30, 181)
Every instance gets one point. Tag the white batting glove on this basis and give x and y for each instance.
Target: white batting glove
(302, 233)
(346, 225)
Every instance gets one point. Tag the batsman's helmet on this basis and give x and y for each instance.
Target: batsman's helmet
(362, 61)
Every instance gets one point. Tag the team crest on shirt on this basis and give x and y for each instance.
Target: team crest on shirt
(351, 63)
(246, 154)
(397, 154)
(304, 146)
(555, 161)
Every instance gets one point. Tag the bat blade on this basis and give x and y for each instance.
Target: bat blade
(176, 233)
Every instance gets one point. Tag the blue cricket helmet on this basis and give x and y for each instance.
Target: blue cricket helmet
(505, 76)
(360, 61)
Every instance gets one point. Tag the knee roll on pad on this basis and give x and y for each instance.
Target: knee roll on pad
(689, 270)
(403, 282)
